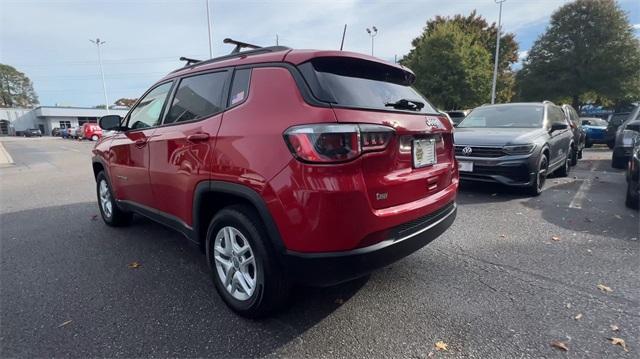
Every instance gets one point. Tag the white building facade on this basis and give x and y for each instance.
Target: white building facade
(46, 118)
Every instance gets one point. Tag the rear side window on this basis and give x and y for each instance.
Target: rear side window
(197, 97)
(239, 86)
(359, 83)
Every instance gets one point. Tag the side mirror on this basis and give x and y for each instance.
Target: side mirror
(110, 122)
(558, 126)
(633, 126)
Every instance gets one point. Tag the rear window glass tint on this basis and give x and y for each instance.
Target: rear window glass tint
(359, 83)
(197, 96)
(520, 116)
(240, 86)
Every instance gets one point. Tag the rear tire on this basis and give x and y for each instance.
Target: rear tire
(254, 288)
(574, 157)
(618, 162)
(588, 143)
(541, 176)
(111, 214)
(633, 199)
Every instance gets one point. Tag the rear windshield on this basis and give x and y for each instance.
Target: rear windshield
(594, 122)
(520, 116)
(359, 83)
(618, 118)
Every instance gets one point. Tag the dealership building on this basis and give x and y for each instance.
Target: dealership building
(46, 118)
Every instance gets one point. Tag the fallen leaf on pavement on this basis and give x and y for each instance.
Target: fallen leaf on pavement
(618, 216)
(65, 323)
(441, 346)
(494, 194)
(134, 265)
(503, 236)
(588, 220)
(614, 327)
(604, 288)
(559, 345)
(620, 342)
(94, 217)
(556, 238)
(431, 354)
(578, 317)
(339, 301)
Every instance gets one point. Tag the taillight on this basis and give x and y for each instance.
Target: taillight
(331, 143)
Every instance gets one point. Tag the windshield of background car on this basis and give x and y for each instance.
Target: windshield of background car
(520, 116)
(594, 122)
(360, 83)
(618, 118)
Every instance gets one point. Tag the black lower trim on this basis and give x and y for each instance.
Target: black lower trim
(160, 217)
(331, 268)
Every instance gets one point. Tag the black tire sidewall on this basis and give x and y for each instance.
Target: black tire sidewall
(101, 177)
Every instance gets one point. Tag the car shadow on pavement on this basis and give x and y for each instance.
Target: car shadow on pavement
(486, 192)
(65, 264)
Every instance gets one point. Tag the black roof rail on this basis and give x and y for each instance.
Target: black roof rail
(240, 45)
(258, 50)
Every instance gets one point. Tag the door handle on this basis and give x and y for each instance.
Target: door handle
(141, 142)
(198, 137)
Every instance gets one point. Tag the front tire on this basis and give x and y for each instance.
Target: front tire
(243, 266)
(574, 157)
(566, 167)
(541, 176)
(618, 162)
(111, 214)
(633, 197)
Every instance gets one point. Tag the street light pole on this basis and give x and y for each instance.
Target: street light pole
(98, 42)
(209, 31)
(372, 33)
(495, 65)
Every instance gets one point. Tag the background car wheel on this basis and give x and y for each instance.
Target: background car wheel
(243, 266)
(541, 176)
(109, 210)
(618, 162)
(611, 144)
(574, 157)
(588, 144)
(95, 138)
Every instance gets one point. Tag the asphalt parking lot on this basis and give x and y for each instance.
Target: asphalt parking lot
(513, 274)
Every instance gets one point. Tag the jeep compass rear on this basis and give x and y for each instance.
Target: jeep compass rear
(290, 166)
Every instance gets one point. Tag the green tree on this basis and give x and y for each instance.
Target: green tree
(16, 90)
(453, 70)
(588, 51)
(126, 102)
(483, 34)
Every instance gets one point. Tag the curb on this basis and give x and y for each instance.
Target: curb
(5, 157)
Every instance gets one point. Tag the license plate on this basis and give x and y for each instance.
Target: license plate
(424, 153)
(465, 166)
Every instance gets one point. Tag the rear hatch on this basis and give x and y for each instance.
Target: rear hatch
(418, 160)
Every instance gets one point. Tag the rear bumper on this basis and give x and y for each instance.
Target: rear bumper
(331, 268)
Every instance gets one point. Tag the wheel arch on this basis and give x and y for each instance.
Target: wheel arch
(212, 196)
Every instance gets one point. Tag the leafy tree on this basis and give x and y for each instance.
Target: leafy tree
(16, 90)
(126, 102)
(483, 34)
(453, 69)
(100, 106)
(588, 51)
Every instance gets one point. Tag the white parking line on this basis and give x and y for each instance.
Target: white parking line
(581, 194)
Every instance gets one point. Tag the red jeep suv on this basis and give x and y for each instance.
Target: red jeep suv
(285, 166)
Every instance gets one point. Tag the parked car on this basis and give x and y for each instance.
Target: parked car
(516, 144)
(55, 131)
(457, 116)
(579, 136)
(613, 122)
(595, 130)
(633, 177)
(273, 161)
(32, 132)
(64, 132)
(91, 131)
(625, 136)
(72, 132)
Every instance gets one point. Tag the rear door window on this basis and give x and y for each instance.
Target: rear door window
(239, 87)
(197, 97)
(350, 82)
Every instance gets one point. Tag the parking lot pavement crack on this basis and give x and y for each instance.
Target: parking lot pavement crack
(537, 280)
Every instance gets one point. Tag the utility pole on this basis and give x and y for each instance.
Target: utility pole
(277, 40)
(209, 31)
(495, 65)
(372, 33)
(98, 42)
(344, 33)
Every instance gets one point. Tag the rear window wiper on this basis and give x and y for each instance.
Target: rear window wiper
(406, 104)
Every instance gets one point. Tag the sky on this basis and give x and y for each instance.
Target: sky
(48, 40)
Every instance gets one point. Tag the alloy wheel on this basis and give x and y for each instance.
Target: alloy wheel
(235, 263)
(105, 199)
